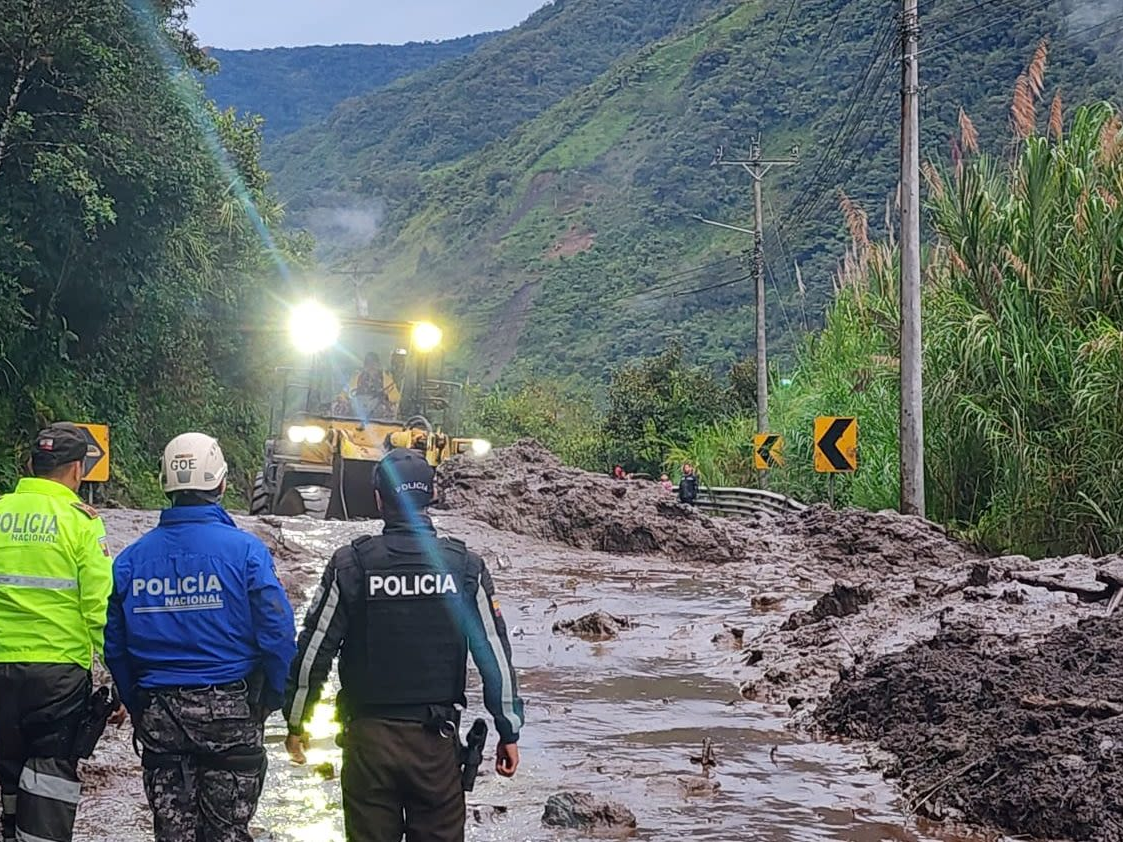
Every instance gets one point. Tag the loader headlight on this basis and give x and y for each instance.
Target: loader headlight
(311, 434)
(313, 327)
(426, 337)
(481, 447)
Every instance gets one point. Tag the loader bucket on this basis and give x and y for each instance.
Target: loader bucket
(352, 490)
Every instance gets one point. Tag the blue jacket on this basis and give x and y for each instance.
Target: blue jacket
(197, 602)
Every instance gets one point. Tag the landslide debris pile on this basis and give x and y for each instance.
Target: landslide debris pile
(525, 489)
(1027, 739)
(857, 541)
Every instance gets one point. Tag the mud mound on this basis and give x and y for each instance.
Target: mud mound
(600, 625)
(583, 811)
(526, 490)
(873, 542)
(843, 600)
(1029, 740)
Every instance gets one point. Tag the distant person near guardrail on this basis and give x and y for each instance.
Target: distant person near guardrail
(665, 483)
(688, 485)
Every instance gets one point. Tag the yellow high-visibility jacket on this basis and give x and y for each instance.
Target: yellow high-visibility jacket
(56, 574)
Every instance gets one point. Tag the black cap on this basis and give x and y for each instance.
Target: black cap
(404, 480)
(58, 445)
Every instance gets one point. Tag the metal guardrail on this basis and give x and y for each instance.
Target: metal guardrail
(744, 502)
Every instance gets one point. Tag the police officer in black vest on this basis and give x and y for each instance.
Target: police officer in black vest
(403, 610)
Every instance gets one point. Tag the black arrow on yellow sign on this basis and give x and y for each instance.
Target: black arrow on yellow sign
(828, 444)
(93, 451)
(764, 451)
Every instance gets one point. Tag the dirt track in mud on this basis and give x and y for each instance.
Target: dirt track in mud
(775, 609)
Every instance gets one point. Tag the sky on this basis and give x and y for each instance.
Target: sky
(248, 24)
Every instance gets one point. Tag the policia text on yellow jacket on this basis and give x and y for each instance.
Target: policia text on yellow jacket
(55, 576)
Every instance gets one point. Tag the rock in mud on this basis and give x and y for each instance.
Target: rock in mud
(583, 811)
(843, 600)
(486, 813)
(767, 601)
(1026, 739)
(874, 542)
(730, 637)
(600, 625)
(698, 786)
(525, 489)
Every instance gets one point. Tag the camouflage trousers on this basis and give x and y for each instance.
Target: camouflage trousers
(204, 763)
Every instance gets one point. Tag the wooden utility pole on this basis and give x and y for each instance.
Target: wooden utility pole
(757, 167)
(912, 396)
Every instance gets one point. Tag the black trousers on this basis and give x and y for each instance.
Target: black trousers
(401, 778)
(41, 707)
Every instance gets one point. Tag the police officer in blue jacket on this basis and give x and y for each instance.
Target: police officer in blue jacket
(199, 640)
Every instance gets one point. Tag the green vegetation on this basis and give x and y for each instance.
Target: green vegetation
(1023, 309)
(1023, 343)
(581, 186)
(133, 285)
(294, 87)
(376, 147)
(568, 424)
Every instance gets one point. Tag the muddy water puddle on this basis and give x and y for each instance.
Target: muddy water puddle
(619, 718)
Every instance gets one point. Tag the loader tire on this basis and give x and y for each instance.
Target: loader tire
(259, 497)
(316, 499)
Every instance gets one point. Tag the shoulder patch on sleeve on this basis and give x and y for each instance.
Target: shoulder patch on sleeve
(88, 511)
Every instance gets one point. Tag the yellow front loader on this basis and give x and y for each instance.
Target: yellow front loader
(365, 390)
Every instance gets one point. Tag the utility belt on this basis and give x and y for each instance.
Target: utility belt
(441, 719)
(242, 685)
(445, 721)
(238, 759)
(253, 685)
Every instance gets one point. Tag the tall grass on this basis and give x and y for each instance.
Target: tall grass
(1024, 351)
(1023, 321)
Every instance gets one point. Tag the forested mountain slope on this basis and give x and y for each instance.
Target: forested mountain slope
(569, 244)
(133, 287)
(293, 87)
(375, 145)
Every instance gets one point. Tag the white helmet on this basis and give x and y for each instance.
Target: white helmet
(192, 462)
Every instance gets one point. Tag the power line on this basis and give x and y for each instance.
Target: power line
(831, 153)
(1093, 27)
(780, 37)
(937, 19)
(993, 23)
(707, 288)
(687, 275)
(826, 178)
(780, 298)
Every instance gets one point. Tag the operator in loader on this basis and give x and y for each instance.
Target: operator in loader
(376, 388)
(199, 642)
(55, 578)
(403, 610)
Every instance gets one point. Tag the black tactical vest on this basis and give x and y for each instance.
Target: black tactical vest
(406, 642)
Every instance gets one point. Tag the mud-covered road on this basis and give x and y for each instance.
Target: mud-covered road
(618, 718)
(738, 632)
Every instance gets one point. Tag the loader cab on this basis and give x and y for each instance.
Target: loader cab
(357, 384)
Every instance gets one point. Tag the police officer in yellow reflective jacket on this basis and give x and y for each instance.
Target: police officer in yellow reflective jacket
(55, 577)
